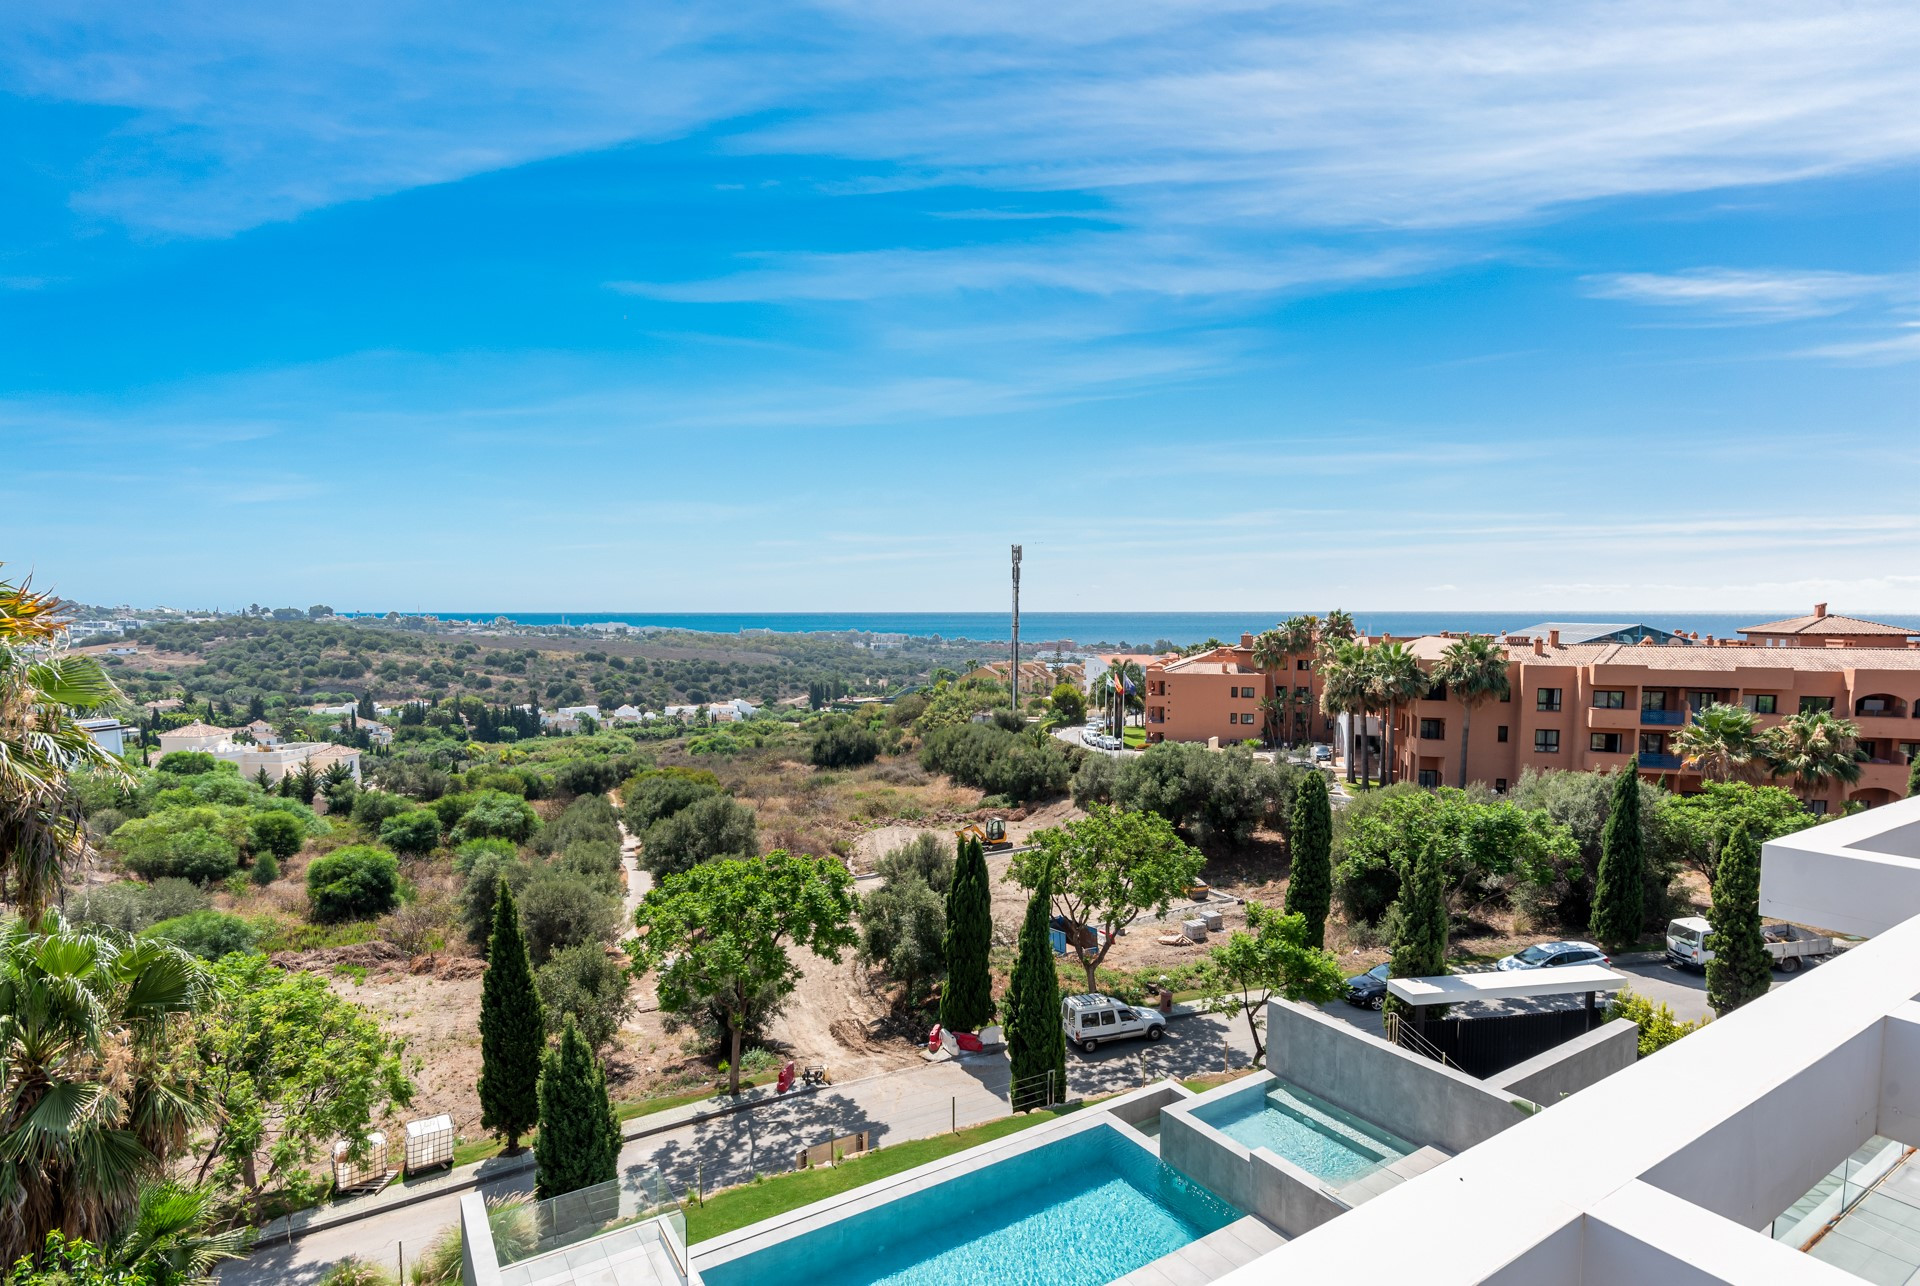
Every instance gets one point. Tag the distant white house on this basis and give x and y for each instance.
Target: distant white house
(275, 760)
(628, 714)
(109, 734)
(728, 711)
(262, 733)
(123, 649)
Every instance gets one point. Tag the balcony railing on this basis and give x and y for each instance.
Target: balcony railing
(1672, 717)
(1667, 763)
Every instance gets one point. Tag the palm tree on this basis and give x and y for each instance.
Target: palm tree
(93, 1095)
(1396, 679)
(1298, 635)
(1270, 654)
(169, 1240)
(1343, 690)
(1814, 748)
(41, 743)
(1719, 742)
(1474, 668)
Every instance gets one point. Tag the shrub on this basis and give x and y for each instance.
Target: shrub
(497, 815)
(415, 831)
(199, 843)
(266, 869)
(355, 1271)
(559, 909)
(1658, 1027)
(207, 934)
(131, 907)
(277, 834)
(715, 826)
(997, 761)
(487, 871)
(597, 861)
(926, 857)
(371, 807)
(587, 985)
(186, 763)
(663, 792)
(352, 883)
(843, 744)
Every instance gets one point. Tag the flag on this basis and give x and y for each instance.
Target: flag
(1129, 685)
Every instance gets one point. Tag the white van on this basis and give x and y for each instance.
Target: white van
(1088, 1020)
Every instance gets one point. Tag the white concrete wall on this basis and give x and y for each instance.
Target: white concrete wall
(1857, 875)
(1573, 1065)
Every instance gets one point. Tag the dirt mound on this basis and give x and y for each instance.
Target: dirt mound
(358, 955)
(853, 1034)
(456, 968)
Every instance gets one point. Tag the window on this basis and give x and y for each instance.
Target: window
(1653, 743)
(1762, 703)
(1547, 699)
(1303, 692)
(1430, 777)
(1499, 785)
(1433, 729)
(1875, 705)
(1610, 699)
(1303, 664)
(1653, 699)
(1911, 749)
(1701, 700)
(1818, 807)
(1546, 741)
(1606, 743)
(1500, 733)
(1438, 692)
(1816, 705)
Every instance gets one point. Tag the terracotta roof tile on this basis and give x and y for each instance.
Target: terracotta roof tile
(1828, 625)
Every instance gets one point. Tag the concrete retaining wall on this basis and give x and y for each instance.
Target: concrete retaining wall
(1571, 1067)
(1258, 1181)
(1413, 1097)
(1144, 1104)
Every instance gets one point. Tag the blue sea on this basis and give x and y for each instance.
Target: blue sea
(1039, 629)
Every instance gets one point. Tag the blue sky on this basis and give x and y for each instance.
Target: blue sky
(809, 307)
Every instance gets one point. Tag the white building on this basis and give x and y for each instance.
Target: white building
(729, 711)
(628, 714)
(109, 734)
(275, 760)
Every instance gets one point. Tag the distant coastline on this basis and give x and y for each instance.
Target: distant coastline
(1137, 628)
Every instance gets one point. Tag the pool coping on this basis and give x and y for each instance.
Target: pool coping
(829, 1210)
(1389, 1157)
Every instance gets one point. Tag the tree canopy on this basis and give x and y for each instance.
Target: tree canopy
(717, 934)
(1105, 870)
(1274, 955)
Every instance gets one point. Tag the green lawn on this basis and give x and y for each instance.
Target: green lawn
(1134, 738)
(752, 1202)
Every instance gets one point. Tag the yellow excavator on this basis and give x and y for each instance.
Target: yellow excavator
(992, 836)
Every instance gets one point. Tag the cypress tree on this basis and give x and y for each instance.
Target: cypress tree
(1420, 921)
(1036, 1042)
(512, 1029)
(1740, 969)
(579, 1134)
(966, 997)
(1310, 842)
(1619, 894)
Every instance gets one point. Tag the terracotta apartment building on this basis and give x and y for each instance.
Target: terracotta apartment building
(1592, 706)
(1221, 693)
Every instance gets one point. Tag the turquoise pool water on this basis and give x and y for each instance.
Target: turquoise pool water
(1078, 1212)
(1325, 1141)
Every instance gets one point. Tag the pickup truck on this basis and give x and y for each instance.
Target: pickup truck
(1789, 945)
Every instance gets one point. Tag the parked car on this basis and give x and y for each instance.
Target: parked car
(1369, 990)
(1323, 754)
(1552, 955)
(1089, 1020)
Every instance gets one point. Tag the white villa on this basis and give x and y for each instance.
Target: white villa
(276, 759)
(729, 711)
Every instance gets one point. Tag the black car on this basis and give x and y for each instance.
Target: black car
(1368, 990)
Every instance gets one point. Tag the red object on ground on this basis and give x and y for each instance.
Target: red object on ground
(969, 1043)
(786, 1079)
(933, 1040)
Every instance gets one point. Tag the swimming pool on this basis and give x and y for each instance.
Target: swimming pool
(1080, 1211)
(1332, 1144)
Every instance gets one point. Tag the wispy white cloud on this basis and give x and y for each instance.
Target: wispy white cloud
(1748, 295)
(1903, 346)
(1205, 114)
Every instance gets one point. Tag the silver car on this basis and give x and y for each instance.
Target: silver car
(1554, 955)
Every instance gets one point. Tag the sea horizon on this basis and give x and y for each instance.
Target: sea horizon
(1039, 628)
